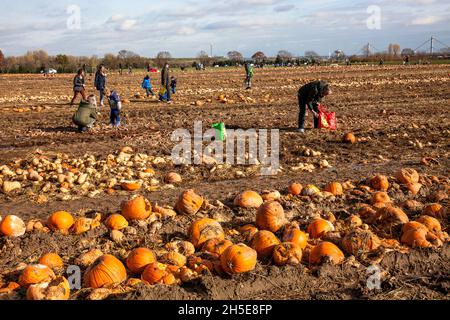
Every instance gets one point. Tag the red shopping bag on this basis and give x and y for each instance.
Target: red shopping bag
(327, 120)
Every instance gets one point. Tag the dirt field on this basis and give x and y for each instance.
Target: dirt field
(400, 115)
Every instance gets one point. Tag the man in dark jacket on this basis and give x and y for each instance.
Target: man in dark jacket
(309, 96)
(100, 82)
(86, 115)
(165, 81)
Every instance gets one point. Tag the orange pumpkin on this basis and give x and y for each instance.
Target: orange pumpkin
(139, 258)
(380, 182)
(434, 210)
(174, 258)
(60, 221)
(287, 253)
(335, 188)
(413, 225)
(319, 227)
(326, 250)
(294, 234)
(137, 208)
(248, 199)
(184, 247)
(158, 273)
(202, 261)
(116, 222)
(270, 216)
(81, 225)
(106, 270)
(35, 273)
(248, 231)
(131, 185)
(421, 238)
(431, 223)
(359, 241)
(52, 260)
(407, 175)
(238, 258)
(57, 289)
(349, 138)
(203, 230)
(12, 226)
(380, 197)
(390, 217)
(264, 242)
(295, 188)
(173, 178)
(414, 188)
(216, 246)
(189, 203)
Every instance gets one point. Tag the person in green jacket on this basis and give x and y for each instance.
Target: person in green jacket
(249, 72)
(86, 114)
(310, 96)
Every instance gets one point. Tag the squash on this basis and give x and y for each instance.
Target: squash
(380, 182)
(326, 251)
(60, 221)
(139, 258)
(105, 271)
(287, 253)
(189, 203)
(248, 199)
(12, 226)
(319, 227)
(264, 242)
(335, 188)
(407, 176)
(203, 230)
(238, 258)
(137, 208)
(270, 216)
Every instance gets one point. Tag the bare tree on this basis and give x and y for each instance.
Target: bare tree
(204, 58)
(311, 54)
(259, 57)
(407, 52)
(235, 56)
(162, 57)
(394, 50)
(285, 55)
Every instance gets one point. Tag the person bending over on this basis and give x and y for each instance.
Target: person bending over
(309, 96)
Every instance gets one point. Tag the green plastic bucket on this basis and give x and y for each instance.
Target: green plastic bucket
(221, 131)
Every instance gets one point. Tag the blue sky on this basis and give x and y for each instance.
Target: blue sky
(185, 27)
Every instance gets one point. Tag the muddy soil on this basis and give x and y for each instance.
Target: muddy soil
(399, 114)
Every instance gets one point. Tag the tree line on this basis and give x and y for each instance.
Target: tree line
(41, 61)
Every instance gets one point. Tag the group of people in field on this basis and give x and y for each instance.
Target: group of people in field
(309, 96)
(87, 113)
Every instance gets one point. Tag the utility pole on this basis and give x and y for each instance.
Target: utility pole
(431, 46)
(211, 46)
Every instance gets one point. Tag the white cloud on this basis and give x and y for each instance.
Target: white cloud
(185, 31)
(424, 21)
(128, 24)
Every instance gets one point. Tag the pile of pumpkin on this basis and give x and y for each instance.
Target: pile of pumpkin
(85, 176)
(271, 238)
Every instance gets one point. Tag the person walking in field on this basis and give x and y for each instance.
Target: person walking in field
(249, 71)
(86, 114)
(115, 104)
(146, 84)
(100, 82)
(309, 96)
(78, 86)
(165, 81)
(173, 85)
